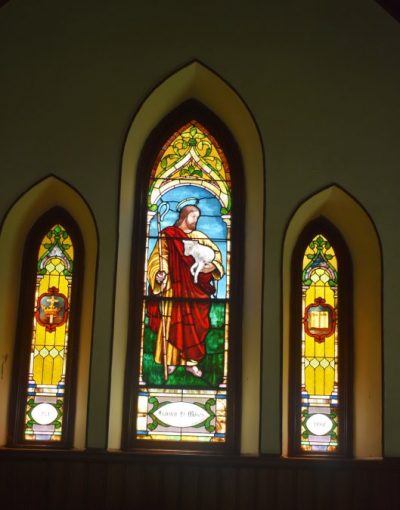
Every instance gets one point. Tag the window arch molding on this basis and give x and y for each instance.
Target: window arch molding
(190, 111)
(16, 224)
(197, 81)
(360, 235)
(343, 361)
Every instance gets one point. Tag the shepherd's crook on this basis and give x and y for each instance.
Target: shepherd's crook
(163, 208)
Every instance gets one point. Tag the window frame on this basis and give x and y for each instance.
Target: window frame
(23, 337)
(190, 110)
(345, 339)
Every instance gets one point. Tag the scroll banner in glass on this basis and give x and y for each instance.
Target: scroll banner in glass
(319, 347)
(183, 377)
(48, 359)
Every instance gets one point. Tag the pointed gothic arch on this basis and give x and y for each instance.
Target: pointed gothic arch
(196, 317)
(321, 341)
(196, 81)
(42, 400)
(360, 235)
(43, 196)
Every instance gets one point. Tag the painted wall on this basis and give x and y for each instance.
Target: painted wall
(321, 81)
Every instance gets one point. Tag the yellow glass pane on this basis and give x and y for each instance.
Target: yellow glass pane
(50, 337)
(37, 369)
(57, 370)
(48, 364)
(310, 380)
(63, 285)
(60, 336)
(329, 380)
(329, 296)
(54, 281)
(43, 285)
(40, 335)
(309, 347)
(330, 347)
(319, 381)
(319, 349)
(309, 296)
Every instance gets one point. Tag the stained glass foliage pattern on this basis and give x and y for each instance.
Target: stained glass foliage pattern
(185, 316)
(319, 374)
(48, 358)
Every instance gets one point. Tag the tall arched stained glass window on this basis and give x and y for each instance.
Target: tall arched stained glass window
(45, 343)
(321, 344)
(186, 375)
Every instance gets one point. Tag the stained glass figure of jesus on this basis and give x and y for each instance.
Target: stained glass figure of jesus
(180, 318)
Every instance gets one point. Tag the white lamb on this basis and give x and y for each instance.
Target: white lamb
(202, 255)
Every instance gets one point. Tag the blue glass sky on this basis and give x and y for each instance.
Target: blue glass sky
(210, 221)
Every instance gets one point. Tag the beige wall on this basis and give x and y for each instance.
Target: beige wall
(321, 82)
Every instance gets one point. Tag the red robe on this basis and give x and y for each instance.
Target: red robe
(190, 320)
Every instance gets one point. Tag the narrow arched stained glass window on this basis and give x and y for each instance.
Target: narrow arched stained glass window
(185, 365)
(42, 410)
(49, 344)
(319, 348)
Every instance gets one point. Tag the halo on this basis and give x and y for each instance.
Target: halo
(185, 202)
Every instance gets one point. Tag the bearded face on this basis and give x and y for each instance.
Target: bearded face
(191, 220)
(188, 218)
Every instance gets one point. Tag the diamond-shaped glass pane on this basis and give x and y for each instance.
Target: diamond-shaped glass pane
(53, 352)
(44, 352)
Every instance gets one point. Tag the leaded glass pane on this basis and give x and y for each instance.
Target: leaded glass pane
(47, 367)
(185, 317)
(319, 373)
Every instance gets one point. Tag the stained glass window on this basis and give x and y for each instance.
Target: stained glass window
(319, 347)
(48, 360)
(44, 410)
(184, 370)
(321, 343)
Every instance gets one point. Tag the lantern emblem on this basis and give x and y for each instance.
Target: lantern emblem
(319, 320)
(51, 309)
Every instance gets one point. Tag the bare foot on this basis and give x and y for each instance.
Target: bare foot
(193, 369)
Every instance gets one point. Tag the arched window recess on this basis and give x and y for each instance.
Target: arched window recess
(321, 344)
(42, 400)
(183, 366)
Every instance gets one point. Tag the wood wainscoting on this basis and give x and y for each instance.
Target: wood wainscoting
(44, 480)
